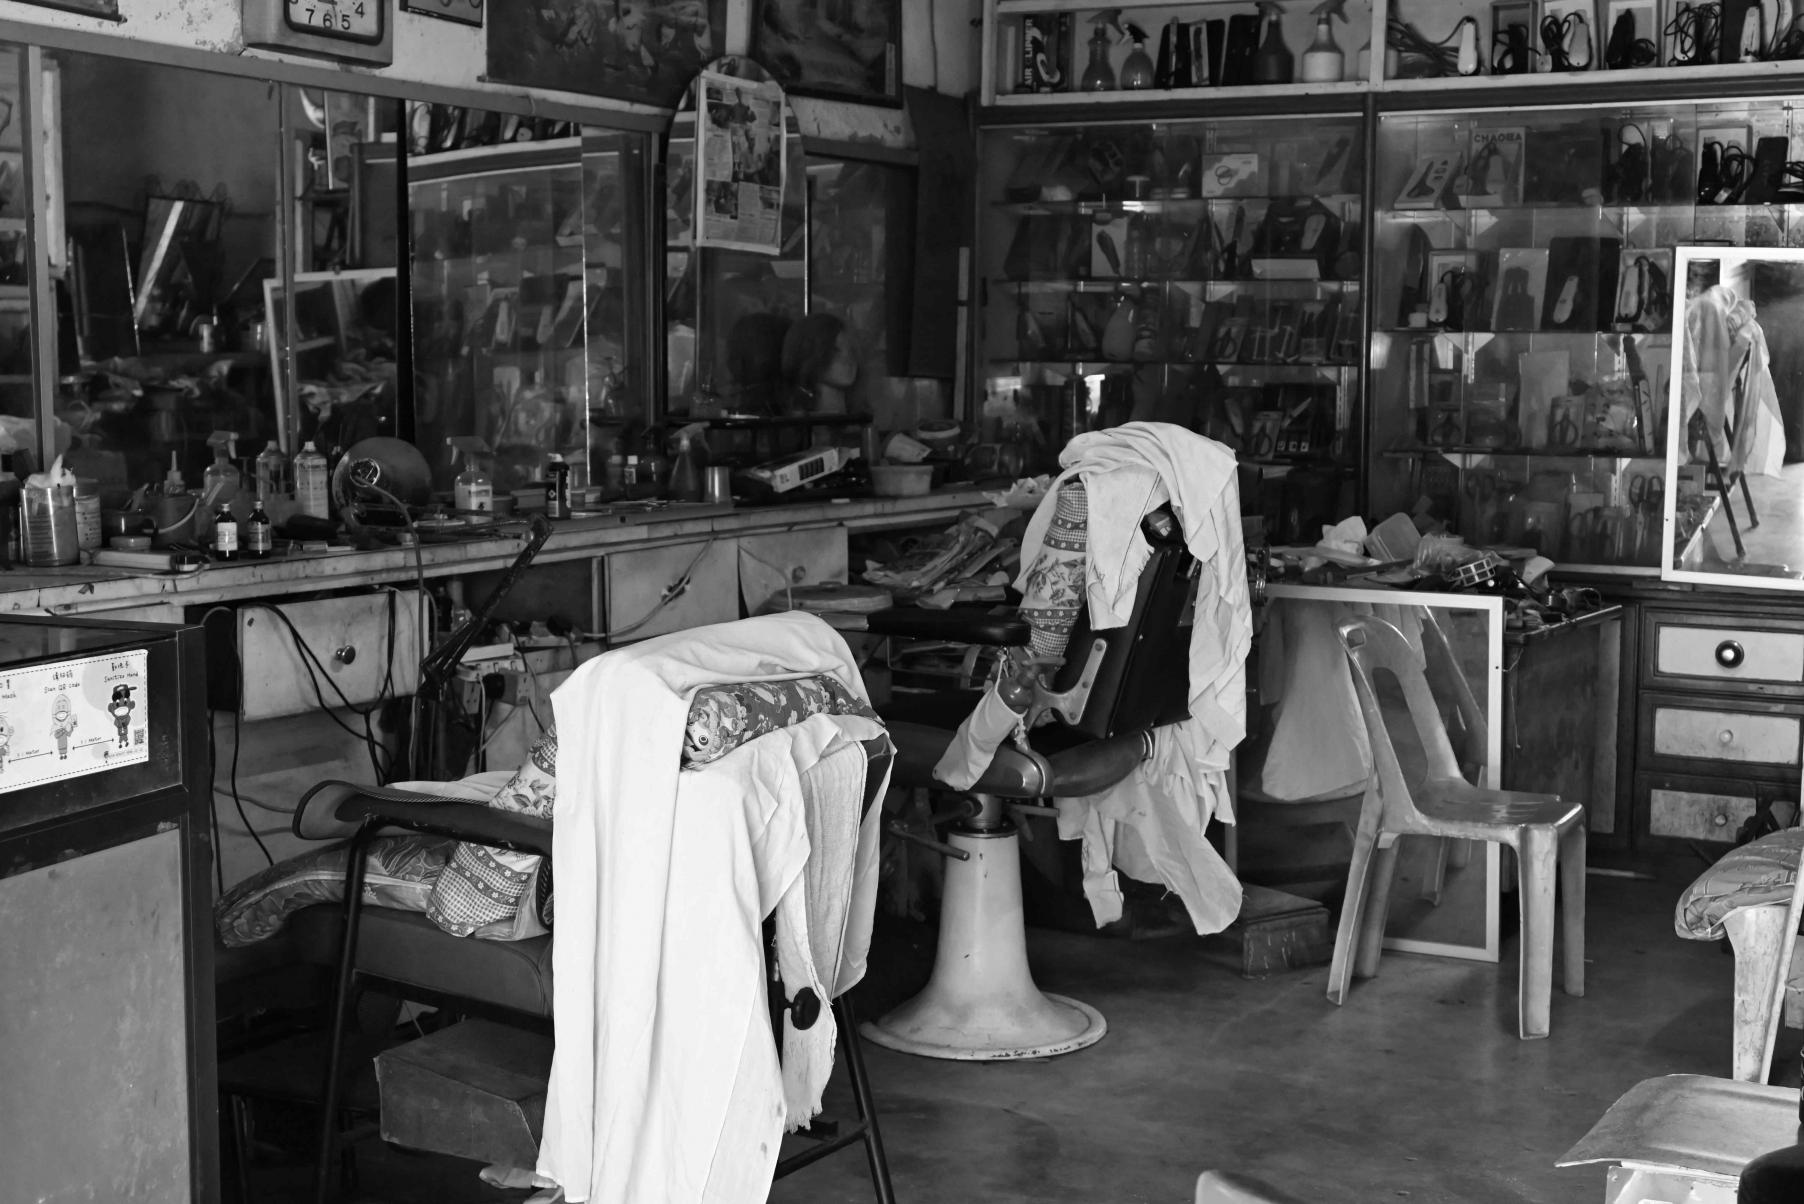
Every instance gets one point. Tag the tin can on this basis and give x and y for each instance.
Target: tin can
(557, 488)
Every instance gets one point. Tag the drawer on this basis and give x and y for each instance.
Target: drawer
(1764, 656)
(637, 584)
(332, 642)
(1700, 808)
(769, 563)
(1705, 733)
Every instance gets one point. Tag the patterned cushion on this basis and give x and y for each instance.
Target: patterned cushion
(1054, 587)
(1763, 871)
(398, 872)
(479, 893)
(721, 718)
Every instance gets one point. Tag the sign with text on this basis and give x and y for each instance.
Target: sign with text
(73, 718)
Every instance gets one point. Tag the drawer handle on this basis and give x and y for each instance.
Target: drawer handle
(345, 655)
(1719, 820)
(1730, 654)
(1725, 737)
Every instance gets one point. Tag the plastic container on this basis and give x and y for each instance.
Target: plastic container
(312, 483)
(88, 532)
(50, 536)
(901, 480)
(272, 471)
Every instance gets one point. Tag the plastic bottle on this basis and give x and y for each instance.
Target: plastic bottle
(222, 481)
(272, 471)
(225, 532)
(1272, 62)
(1099, 75)
(472, 490)
(654, 465)
(686, 467)
(1137, 68)
(1323, 62)
(312, 487)
(259, 534)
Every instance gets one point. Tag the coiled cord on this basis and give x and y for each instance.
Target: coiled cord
(1419, 57)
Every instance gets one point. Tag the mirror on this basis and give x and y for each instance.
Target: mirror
(1303, 769)
(1734, 482)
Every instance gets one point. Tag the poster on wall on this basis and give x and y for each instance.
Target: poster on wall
(638, 50)
(739, 204)
(460, 12)
(72, 718)
(840, 49)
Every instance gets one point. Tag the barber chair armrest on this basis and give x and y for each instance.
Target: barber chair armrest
(333, 810)
(959, 626)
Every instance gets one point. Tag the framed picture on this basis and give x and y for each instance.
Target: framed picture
(647, 52)
(839, 49)
(459, 12)
(1579, 45)
(1631, 34)
(1515, 36)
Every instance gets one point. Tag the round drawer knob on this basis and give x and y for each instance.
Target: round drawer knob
(1725, 736)
(1730, 654)
(1719, 820)
(345, 655)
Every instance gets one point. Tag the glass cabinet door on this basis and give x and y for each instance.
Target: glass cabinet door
(1523, 308)
(526, 317)
(1202, 273)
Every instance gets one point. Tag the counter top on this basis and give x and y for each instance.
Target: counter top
(89, 589)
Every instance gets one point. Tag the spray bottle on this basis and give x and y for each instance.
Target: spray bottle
(1323, 62)
(686, 468)
(473, 490)
(1137, 69)
(1272, 62)
(1099, 76)
(222, 482)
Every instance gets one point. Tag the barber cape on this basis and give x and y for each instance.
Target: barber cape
(1152, 823)
(665, 1082)
(1725, 346)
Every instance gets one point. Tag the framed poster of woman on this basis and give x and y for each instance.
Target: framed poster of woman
(841, 49)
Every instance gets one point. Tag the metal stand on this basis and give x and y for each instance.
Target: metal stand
(981, 1002)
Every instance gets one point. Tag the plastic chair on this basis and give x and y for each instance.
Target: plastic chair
(1764, 939)
(1547, 834)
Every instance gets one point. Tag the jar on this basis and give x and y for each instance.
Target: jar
(49, 527)
(88, 533)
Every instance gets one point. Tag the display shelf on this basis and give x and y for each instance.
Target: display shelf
(1214, 96)
(1184, 206)
(1110, 284)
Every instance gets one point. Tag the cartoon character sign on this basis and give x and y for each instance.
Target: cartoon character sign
(6, 740)
(121, 708)
(62, 717)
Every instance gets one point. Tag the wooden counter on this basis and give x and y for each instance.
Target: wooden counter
(90, 590)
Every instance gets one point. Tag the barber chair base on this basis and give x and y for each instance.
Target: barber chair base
(981, 1002)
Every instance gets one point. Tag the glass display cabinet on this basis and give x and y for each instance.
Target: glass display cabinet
(1523, 298)
(1207, 273)
(524, 307)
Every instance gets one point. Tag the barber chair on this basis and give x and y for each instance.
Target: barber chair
(404, 954)
(1112, 689)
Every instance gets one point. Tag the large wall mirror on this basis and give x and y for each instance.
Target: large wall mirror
(1302, 773)
(1734, 484)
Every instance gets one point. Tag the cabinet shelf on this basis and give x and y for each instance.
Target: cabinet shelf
(1538, 453)
(1101, 363)
(1655, 210)
(1422, 331)
(1109, 284)
(1143, 96)
(1184, 205)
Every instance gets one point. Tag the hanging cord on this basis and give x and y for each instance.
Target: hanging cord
(1786, 44)
(1557, 35)
(1418, 56)
(1511, 53)
(671, 593)
(1692, 33)
(1626, 50)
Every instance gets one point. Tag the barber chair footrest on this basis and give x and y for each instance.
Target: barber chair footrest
(473, 1090)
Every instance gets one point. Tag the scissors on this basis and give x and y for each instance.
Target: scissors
(1647, 491)
(1582, 531)
(1562, 431)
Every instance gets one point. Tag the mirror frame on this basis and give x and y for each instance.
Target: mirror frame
(1676, 442)
(1491, 606)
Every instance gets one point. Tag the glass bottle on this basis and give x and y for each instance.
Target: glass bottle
(225, 532)
(259, 535)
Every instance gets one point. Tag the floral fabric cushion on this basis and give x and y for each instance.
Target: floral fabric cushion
(1760, 872)
(721, 718)
(1053, 590)
(399, 872)
(480, 891)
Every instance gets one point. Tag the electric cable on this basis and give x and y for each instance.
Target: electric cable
(671, 593)
(310, 662)
(1692, 34)
(1418, 56)
(237, 718)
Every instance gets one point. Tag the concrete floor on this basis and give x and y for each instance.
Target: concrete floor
(1417, 1089)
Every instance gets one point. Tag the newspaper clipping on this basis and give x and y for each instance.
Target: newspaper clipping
(740, 142)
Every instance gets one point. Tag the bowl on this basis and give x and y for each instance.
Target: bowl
(131, 543)
(901, 480)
